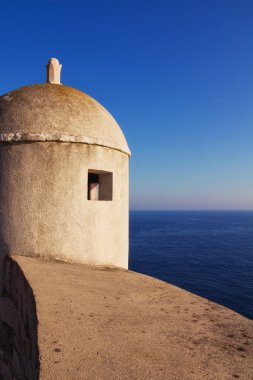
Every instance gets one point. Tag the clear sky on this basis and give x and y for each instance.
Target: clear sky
(176, 75)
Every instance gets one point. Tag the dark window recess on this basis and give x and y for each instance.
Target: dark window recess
(99, 185)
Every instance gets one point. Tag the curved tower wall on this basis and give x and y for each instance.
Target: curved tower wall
(44, 205)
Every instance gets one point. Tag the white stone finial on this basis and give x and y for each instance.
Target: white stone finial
(54, 71)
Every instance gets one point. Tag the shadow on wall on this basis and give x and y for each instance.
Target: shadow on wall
(19, 353)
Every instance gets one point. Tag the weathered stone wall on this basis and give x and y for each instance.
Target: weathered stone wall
(19, 356)
(44, 208)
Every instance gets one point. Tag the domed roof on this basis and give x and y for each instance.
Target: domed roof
(53, 112)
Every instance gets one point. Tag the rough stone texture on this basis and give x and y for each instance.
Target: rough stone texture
(107, 323)
(19, 356)
(44, 210)
(50, 136)
(29, 137)
(59, 110)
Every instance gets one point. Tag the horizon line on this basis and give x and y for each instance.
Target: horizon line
(184, 210)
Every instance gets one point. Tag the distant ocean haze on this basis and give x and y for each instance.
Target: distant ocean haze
(209, 253)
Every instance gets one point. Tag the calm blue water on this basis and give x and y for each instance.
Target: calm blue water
(208, 253)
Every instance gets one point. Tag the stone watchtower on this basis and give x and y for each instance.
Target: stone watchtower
(64, 175)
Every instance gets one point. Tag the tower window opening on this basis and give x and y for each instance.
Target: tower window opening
(99, 185)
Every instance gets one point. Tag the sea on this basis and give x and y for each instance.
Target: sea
(209, 253)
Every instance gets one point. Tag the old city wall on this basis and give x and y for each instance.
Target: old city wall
(19, 356)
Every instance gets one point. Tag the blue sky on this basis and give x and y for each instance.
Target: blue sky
(176, 75)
